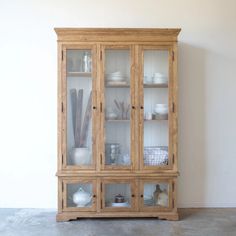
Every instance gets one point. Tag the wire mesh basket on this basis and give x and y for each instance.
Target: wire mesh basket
(155, 155)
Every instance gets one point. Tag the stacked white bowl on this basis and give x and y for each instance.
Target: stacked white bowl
(159, 78)
(116, 76)
(161, 109)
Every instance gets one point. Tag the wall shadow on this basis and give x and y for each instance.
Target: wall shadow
(192, 110)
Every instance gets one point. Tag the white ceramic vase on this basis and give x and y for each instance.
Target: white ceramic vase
(81, 156)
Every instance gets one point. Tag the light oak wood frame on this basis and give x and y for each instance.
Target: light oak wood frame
(133, 191)
(171, 105)
(130, 48)
(63, 159)
(91, 181)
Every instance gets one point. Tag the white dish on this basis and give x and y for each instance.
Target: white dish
(122, 82)
(161, 109)
(160, 80)
(116, 78)
(157, 74)
(119, 204)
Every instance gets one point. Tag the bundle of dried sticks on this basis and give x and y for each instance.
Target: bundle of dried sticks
(80, 131)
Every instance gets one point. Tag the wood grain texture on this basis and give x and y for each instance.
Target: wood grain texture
(97, 40)
(66, 216)
(116, 34)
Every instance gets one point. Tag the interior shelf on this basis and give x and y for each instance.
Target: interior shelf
(117, 86)
(79, 74)
(155, 85)
(117, 120)
(153, 120)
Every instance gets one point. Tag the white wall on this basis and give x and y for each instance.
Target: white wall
(28, 87)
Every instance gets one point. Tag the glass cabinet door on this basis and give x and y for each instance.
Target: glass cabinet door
(79, 195)
(155, 113)
(117, 100)
(118, 195)
(155, 195)
(80, 86)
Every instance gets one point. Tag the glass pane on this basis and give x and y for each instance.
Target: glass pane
(79, 107)
(156, 194)
(155, 82)
(117, 195)
(117, 107)
(79, 195)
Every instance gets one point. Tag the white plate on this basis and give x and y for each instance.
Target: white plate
(119, 204)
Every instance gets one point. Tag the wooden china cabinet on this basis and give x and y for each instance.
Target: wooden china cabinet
(117, 123)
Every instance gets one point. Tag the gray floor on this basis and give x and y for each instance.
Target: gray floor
(194, 222)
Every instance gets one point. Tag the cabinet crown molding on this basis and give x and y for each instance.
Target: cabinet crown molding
(117, 34)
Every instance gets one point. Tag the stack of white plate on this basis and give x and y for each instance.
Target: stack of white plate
(159, 78)
(117, 76)
(120, 204)
(161, 109)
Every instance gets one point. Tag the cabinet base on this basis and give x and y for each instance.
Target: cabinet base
(67, 216)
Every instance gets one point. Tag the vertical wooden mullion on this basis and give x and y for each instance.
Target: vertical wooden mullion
(64, 113)
(94, 199)
(141, 103)
(59, 112)
(60, 195)
(101, 107)
(175, 100)
(136, 104)
(94, 104)
(132, 111)
(170, 105)
(99, 118)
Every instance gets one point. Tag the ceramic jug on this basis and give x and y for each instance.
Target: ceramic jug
(81, 198)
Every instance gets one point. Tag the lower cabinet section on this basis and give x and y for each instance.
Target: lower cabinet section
(113, 197)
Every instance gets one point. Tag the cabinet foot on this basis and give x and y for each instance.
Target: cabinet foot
(62, 217)
(173, 216)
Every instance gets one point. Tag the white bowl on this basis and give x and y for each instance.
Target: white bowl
(119, 204)
(161, 108)
(116, 78)
(116, 73)
(159, 75)
(159, 80)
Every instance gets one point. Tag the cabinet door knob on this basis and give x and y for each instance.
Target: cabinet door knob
(132, 195)
(133, 107)
(94, 107)
(141, 195)
(141, 107)
(94, 195)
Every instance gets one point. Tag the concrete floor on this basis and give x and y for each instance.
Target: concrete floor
(194, 222)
